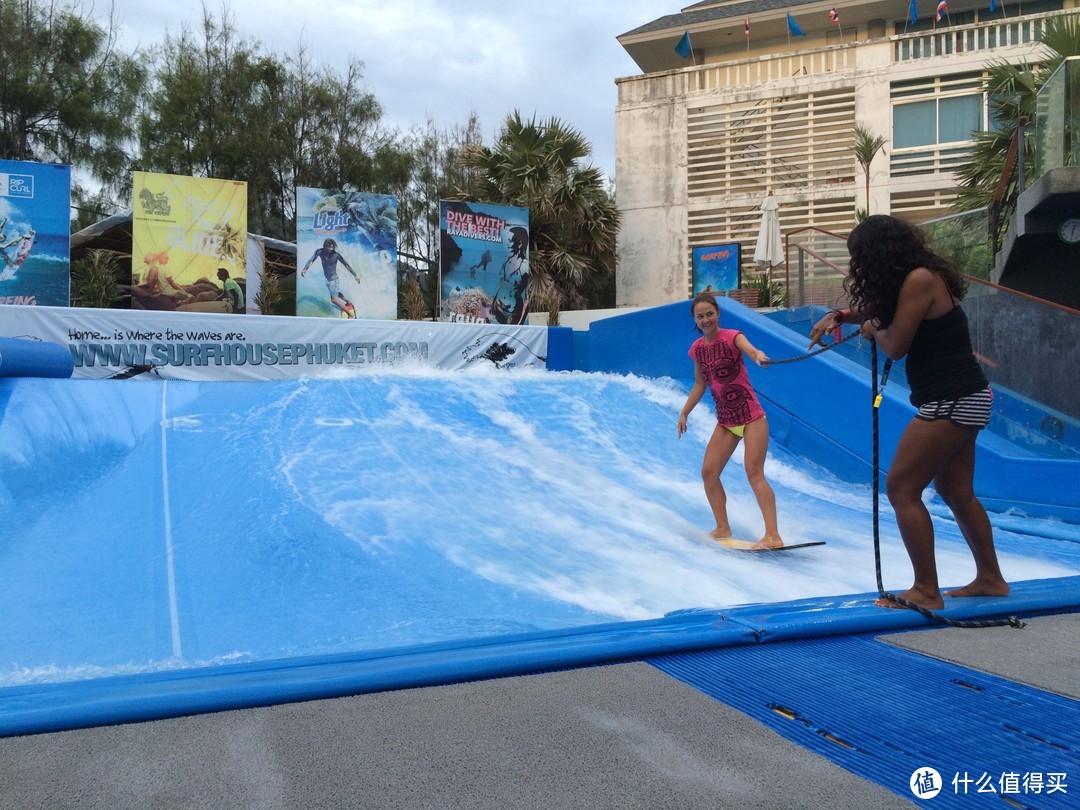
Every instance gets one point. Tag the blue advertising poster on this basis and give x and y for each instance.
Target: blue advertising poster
(346, 254)
(35, 230)
(716, 268)
(483, 262)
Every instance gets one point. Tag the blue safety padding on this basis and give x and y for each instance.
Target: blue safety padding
(130, 698)
(34, 358)
(808, 618)
(884, 713)
(560, 351)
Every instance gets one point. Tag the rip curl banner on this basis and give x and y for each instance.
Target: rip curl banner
(346, 254)
(35, 226)
(483, 262)
(122, 344)
(716, 268)
(188, 243)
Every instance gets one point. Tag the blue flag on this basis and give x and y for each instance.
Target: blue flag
(914, 12)
(993, 6)
(794, 29)
(683, 48)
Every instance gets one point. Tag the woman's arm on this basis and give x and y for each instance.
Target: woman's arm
(831, 320)
(747, 348)
(917, 296)
(694, 398)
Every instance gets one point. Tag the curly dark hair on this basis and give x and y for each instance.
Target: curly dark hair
(883, 251)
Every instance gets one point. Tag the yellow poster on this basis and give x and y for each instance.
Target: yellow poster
(188, 243)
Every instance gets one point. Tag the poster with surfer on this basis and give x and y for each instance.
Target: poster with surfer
(35, 228)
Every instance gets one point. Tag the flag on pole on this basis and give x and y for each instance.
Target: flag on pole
(834, 15)
(683, 48)
(993, 6)
(746, 27)
(794, 29)
(914, 11)
(942, 10)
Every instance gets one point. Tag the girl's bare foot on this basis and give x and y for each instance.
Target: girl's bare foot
(721, 533)
(924, 599)
(981, 587)
(767, 542)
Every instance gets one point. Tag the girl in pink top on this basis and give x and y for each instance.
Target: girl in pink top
(718, 366)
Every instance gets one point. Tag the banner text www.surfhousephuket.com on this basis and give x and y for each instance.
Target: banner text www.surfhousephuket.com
(243, 354)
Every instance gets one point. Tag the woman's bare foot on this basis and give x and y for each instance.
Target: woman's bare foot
(924, 599)
(981, 587)
(767, 542)
(721, 533)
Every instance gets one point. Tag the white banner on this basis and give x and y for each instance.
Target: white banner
(118, 344)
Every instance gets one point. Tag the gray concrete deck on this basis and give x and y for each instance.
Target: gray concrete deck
(619, 736)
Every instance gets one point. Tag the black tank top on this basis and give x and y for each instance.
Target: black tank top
(940, 361)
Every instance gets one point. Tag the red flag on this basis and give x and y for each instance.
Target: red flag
(746, 26)
(942, 10)
(834, 15)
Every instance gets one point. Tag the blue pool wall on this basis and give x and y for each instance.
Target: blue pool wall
(809, 408)
(811, 403)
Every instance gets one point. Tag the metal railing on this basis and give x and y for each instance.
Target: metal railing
(1025, 345)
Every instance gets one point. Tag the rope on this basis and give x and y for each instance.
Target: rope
(1011, 621)
(815, 352)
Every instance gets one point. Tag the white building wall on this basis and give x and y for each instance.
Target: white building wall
(679, 186)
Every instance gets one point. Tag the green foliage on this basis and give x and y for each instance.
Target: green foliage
(437, 174)
(964, 241)
(411, 306)
(271, 294)
(573, 220)
(66, 95)
(94, 279)
(549, 302)
(1011, 91)
(866, 147)
(770, 293)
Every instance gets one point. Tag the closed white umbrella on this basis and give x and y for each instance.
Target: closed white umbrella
(770, 243)
(769, 251)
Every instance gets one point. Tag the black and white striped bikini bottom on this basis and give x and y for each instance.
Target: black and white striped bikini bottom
(972, 411)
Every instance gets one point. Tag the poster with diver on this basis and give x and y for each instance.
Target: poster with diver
(35, 226)
(188, 243)
(483, 262)
(346, 254)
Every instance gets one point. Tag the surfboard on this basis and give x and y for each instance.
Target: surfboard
(746, 545)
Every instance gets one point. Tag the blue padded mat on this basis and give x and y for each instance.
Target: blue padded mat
(884, 713)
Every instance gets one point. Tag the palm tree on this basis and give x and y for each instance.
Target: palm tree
(572, 217)
(1011, 91)
(866, 147)
(230, 245)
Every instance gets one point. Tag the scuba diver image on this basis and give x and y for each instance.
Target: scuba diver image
(330, 259)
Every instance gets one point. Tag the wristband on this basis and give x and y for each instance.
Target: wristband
(841, 314)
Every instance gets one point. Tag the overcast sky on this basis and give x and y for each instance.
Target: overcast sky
(444, 58)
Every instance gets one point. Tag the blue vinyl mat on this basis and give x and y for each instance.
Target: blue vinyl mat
(885, 713)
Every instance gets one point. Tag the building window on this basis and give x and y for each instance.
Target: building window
(936, 121)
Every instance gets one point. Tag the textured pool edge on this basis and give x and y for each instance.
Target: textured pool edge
(37, 708)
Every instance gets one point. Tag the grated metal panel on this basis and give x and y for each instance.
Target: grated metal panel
(883, 713)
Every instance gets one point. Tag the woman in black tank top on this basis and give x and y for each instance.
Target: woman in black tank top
(907, 298)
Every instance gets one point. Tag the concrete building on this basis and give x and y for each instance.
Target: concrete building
(757, 108)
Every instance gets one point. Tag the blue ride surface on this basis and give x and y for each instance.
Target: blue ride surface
(175, 547)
